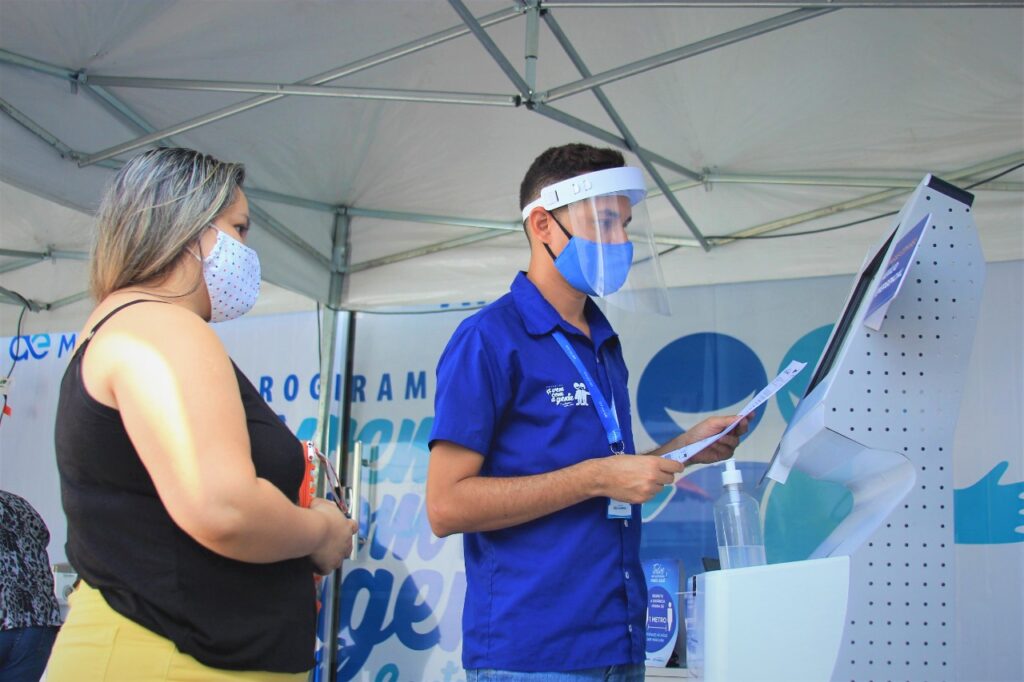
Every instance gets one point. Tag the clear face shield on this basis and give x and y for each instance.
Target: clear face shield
(611, 251)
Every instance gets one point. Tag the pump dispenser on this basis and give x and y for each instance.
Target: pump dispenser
(737, 523)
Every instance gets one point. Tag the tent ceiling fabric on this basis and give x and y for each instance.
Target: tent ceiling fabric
(855, 93)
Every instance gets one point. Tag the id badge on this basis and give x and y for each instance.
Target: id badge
(619, 510)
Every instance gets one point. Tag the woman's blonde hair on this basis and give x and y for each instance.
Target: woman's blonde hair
(157, 204)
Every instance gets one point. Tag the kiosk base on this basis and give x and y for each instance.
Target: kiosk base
(777, 622)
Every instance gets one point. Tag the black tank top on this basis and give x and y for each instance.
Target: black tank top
(226, 613)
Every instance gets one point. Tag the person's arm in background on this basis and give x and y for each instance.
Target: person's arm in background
(167, 373)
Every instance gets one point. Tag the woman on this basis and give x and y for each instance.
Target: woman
(29, 613)
(179, 482)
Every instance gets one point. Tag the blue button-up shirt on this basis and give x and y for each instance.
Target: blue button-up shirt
(565, 591)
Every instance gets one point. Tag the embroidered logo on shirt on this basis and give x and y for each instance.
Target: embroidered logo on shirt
(561, 397)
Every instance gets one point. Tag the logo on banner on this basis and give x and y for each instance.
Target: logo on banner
(697, 374)
(38, 346)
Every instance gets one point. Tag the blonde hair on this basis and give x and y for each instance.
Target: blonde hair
(157, 204)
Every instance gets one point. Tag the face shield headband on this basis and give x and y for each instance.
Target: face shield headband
(624, 181)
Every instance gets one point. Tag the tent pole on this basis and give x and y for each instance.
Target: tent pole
(868, 200)
(32, 257)
(68, 300)
(433, 219)
(424, 250)
(605, 136)
(18, 265)
(328, 342)
(388, 94)
(531, 50)
(479, 237)
(712, 179)
(273, 225)
(836, 181)
(120, 109)
(46, 255)
(278, 229)
(14, 298)
(291, 200)
(700, 47)
(65, 151)
(496, 54)
(15, 59)
(524, 90)
(784, 4)
(631, 142)
(340, 72)
(8, 296)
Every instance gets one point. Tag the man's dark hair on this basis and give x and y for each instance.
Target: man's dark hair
(561, 163)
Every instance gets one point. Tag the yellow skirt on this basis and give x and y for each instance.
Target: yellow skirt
(100, 645)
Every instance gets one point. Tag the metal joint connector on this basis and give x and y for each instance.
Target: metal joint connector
(705, 179)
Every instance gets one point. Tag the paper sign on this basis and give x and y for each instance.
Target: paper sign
(664, 583)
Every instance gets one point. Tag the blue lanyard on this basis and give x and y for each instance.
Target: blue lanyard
(608, 417)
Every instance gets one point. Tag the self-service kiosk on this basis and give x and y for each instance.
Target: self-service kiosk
(875, 600)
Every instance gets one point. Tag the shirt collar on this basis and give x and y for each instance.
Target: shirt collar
(541, 318)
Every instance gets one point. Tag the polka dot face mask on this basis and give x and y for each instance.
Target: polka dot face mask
(232, 274)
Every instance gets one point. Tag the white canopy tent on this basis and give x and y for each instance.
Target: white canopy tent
(399, 131)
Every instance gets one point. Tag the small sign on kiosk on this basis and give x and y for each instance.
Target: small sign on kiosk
(896, 271)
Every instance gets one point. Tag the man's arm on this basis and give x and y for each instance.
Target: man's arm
(460, 500)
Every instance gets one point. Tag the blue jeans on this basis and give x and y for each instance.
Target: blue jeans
(615, 673)
(24, 652)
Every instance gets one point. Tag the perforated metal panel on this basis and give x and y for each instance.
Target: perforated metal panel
(902, 394)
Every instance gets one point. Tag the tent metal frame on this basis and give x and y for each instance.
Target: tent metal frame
(339, 264)
(538, 102)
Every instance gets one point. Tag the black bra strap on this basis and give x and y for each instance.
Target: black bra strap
(109, 315)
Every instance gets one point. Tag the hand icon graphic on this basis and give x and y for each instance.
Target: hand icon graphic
(988, 512)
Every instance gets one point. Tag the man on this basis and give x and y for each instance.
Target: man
(532, 418)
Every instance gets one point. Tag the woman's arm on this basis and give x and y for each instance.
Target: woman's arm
(168, 374)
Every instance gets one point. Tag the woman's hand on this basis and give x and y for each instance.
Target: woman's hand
(337, 543)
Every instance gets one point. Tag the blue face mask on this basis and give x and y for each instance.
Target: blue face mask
(580, 262)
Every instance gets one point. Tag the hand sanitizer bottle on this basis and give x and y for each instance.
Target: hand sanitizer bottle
(737, 523)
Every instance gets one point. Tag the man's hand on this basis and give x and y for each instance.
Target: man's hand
(721, 449)
(634, 478)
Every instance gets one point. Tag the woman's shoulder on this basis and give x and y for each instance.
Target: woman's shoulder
(146, 345)
(121, 323)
